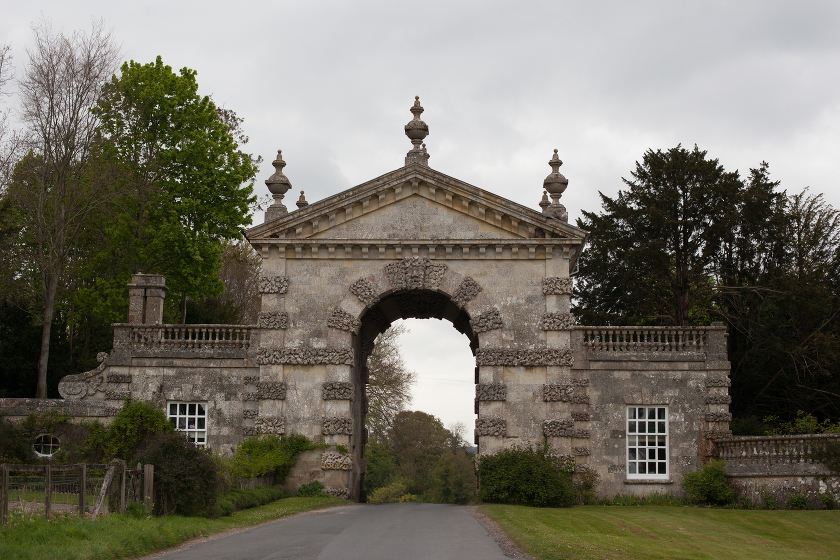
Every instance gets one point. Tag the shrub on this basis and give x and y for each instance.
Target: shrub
(314, 488)
(269, 454)
(526, 476)
(381, 466)
(585, 484)
(828, 501)
(396, 492)
(454, 479)
(767, 501)
(708, 485)
(185, 476)
(130, 432)
(797, 501)
(14, 443)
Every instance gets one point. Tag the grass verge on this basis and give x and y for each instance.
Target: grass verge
(122, 536)
(668, 532)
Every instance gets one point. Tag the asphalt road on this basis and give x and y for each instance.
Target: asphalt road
(370, 532)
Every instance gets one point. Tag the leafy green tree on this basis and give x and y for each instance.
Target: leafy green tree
(381, 466)
(417, 440)
(186, 188)
(389, 382)
(454, 478)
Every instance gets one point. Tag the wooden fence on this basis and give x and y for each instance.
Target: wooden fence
(31, 483)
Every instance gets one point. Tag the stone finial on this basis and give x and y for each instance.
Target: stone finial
(555, 184)
(544, 203)
(278, 185)
(417, 130)
(301, 201)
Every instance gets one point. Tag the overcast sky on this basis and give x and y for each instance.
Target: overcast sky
(503, 84)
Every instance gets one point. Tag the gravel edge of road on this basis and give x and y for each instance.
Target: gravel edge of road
(509, 548)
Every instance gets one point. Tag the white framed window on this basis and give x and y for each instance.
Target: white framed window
(190, 418)
(46, 445)
(647, 442)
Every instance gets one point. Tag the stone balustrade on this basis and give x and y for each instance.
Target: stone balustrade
(773, 455)
(646, 339)
(203, 337)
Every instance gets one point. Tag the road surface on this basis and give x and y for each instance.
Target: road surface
(369, 532)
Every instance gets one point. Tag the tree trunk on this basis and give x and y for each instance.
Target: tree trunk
(184, 309)
(51, 286)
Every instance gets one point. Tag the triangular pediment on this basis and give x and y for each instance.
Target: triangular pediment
(412, 203)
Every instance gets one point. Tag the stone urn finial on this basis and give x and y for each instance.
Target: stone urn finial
(417, 130)
(301, 201)
(278, 185)
(555, 184)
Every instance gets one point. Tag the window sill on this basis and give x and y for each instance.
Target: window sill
(648, 481)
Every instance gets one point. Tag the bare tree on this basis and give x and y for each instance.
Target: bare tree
(59, 189)
(9, 138)
(240, 272)
(389, 382)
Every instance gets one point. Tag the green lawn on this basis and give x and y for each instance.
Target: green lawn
(669, 532)
(121, 536)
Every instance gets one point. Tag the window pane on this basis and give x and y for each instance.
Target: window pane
(631, 440)
(651, 414)
(662, 414)
(631, 454)
(642, 468)
(652, 468)
(192, 409)
(642, 454)
(651, 427)
(173, 409)
(182, 423)
(662, 440)
(201, 409)
(182, 408)
(662, 468)
(631, 468)
(661, 427)
(661, 455)
(631, 413)
(641, 413)
(631, 427)
(201, 423)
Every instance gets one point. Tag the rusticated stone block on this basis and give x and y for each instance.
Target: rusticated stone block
(580, 382)
(341, 319)
(554, 285)
(118, 378)
(248, 431)
(271, 425)
(581, 434)
(250, 413)
(718, 399)
(466, 291)
(336, 462)
(580, 399)
(581, 416)
(274, 320)
(581, 451)
(509, 357)
(337, 426)
(117, 395)
(337, 391)
(558, 428)
(271, 390)
(491, 427)
(718, 417)
(365, 291)
(342, 493)
(490, 392)
(557, 393)
(250, 397)
(616, 468)
(251, 379)
(487, 321)
(718, 382)
(557, 321)
(274, 284)
(304, 355)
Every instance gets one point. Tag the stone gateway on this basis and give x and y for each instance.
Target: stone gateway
(641, 406)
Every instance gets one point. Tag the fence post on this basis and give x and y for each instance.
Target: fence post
(47, 491)
(122, 486)
(4, 498)
(82, 482)
(148, 478)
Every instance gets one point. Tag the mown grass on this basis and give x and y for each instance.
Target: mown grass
(652, 532)
(123, 536)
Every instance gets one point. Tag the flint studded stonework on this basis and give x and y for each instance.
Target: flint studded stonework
(304, 355)
(557, 393)
(554, 285)
(558, 428)
(364, 290)
(616, 468)
(271, 425)
(580, 399)
(557, 321)
(251, 379)
(718, 417)
(274, 319)
(581, 416)
(337, 425)
(337, 391)
(341, 493)
(491, 427)
(466, 291)
(274, 284)
(336, 462)
(581, 434)
(117, 395)
(580, 382)
(718, 399)
(490, 392)
(250, 413)
(414, 273)
(509, 357)
(582, 451)
(271, 390)
(118, 378)
(487, 321)
(341, 319)
(249, 431)
(718, 382)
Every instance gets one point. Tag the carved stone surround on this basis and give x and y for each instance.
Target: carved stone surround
(510, 357)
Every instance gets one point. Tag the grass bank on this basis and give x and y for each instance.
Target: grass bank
(669, 532)
(121, 536)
